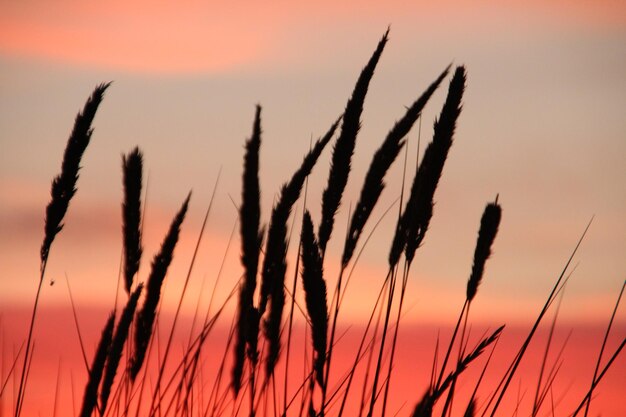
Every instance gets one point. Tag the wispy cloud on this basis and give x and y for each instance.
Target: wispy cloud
(164, 38)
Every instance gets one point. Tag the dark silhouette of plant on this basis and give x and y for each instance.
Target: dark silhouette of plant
(258, 330)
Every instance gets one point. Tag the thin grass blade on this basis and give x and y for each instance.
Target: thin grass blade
(90, 397)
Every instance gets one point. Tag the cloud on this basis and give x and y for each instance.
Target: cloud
(136, 37)
(165, 38)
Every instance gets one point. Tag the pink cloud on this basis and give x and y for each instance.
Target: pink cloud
(162, 37)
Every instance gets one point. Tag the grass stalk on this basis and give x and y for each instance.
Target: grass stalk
(62, 191)
(293, 302)
(132, 166)
(599, 377)
(146, 316)
(606, 336)
(274, 263)
(509, 376)
(251, 237)
(117, 346)
(170, 338)
(90, 398)
(344, 147)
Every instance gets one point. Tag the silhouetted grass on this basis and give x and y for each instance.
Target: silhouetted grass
(62, 191)
(90, 397)
(64, 185)
(274, 263)
(344, 148)
(257, 331)
(315, 295)
(132, 166)
(146, 316)
(117, 346)
(251, 238)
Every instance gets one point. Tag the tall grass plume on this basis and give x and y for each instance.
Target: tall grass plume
(344, 147)
(275, 263)
(486, 235)
(64, 184)
(144, 321)
(429, 172)
(315, 295)
(132, 167)
(249, 215)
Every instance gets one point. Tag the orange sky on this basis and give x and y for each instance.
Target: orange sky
(161, 37)
(542, 126)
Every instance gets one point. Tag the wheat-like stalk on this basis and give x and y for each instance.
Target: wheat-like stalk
(486, 235)
(399, 240)
(64, 184)
(344, 147)
(382, 160)
(249, 215)
(62, 190)
(132, 167)
(429, 172)
(315, 294)
(145, 317)
(275, 263)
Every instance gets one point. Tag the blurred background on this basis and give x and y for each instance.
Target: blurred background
(542, 125)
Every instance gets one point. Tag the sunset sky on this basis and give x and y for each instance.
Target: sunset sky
(543, 125)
